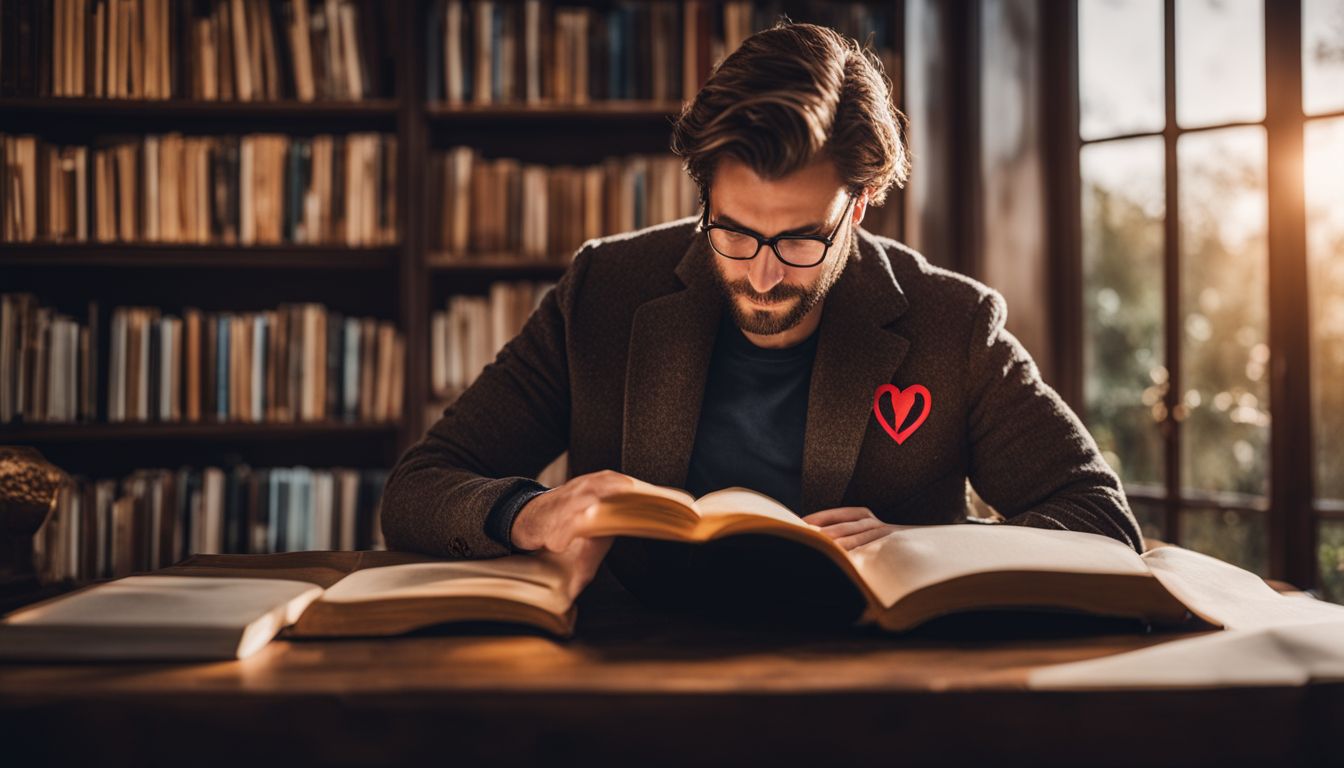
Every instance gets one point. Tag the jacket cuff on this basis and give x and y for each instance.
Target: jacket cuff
(499, 521)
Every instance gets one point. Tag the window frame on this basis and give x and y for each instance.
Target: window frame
(1291, 510)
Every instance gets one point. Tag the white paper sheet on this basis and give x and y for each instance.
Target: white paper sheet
(1269, 639)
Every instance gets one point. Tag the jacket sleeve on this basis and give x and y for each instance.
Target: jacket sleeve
(1031, 458)
(482, 453)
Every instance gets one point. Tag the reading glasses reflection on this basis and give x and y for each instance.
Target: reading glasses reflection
(793, 250)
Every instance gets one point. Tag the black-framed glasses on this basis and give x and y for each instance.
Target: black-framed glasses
(794, 250)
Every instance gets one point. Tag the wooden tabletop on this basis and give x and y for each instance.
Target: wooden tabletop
(660, 688)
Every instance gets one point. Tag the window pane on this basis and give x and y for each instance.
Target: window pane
(1325, 254)
(1322, 55)
(1240, 538)
(1220, 61)
(1224, 310)
(1120, 67)
(1151, 518)
(1331, 553)
(1124, 375)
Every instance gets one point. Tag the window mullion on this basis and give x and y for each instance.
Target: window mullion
(1171, 287)
(1292, 533)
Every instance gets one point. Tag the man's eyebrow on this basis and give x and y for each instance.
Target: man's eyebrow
(806, 229)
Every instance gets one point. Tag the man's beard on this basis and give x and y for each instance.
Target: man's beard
(799, 299)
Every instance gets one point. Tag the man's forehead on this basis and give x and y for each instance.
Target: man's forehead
(740, 188)
(788, 213)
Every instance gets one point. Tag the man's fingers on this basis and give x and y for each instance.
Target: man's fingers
(574, 526)
(839, 530)
(560, 542)
(837, 515)
(597, 546)
(859, 539)
(609, 481)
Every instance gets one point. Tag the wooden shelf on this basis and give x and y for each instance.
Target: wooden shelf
(606, 111)
(105, 432)
(161, 108)
(192, 256)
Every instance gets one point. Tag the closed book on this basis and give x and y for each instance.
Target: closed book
(191, 364)
(209, 366)
(157, 617)
(254, 531)
(334, 359)
(235, 522)
(223, 370)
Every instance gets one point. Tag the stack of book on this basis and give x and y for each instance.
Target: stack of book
(155, 517)
(251, 189)
(241, 50)
(48, 363)
(531, 52)
(468, 335)
(296, 363)
(504, 208)
(499, 52)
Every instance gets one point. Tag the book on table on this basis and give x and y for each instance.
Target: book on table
(908, 577)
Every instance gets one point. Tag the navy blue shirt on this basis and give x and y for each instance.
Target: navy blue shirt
(750, 433)
(753, 417)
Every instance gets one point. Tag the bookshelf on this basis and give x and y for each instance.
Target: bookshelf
(405, 281)
(191, 256)
(38, 108)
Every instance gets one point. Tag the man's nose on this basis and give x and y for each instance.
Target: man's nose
(765, 271)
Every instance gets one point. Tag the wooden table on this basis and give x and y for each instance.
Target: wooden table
(643, 688)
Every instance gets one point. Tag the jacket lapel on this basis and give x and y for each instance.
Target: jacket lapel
(856, 354)
(672, 340)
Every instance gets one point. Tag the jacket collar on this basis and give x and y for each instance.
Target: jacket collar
(672, 340)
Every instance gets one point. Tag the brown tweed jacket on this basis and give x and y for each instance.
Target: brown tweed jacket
(612, 366)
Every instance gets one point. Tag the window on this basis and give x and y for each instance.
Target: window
(1211, 175)
(1323, 152)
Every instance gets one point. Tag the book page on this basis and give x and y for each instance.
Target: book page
(1232, 597)
(172, 601)
(916, 556)
(1288, 655)
(530, 579)
(744, 501)
(664, 492)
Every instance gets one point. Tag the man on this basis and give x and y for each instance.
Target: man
(769, 342)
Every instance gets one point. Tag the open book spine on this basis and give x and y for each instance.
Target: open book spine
(1136, 594)
(666, 520)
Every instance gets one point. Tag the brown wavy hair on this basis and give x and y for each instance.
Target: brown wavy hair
(788, 95)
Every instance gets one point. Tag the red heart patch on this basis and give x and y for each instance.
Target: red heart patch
(902, 402)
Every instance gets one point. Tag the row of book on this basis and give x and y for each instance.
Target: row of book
(471, 330)
(106, 528)
(503, 206)
(242, 50)
(484, 52)
(296, 363)
(251, 189)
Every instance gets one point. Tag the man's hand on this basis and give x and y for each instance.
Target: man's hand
(551, 520)
(580, 561)
(851, 527)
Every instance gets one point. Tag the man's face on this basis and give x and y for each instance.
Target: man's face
(765, 295)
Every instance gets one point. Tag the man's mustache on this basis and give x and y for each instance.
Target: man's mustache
(776, 296)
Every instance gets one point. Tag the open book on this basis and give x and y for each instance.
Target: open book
(910, 576)
(230, 606)
(918, 572)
